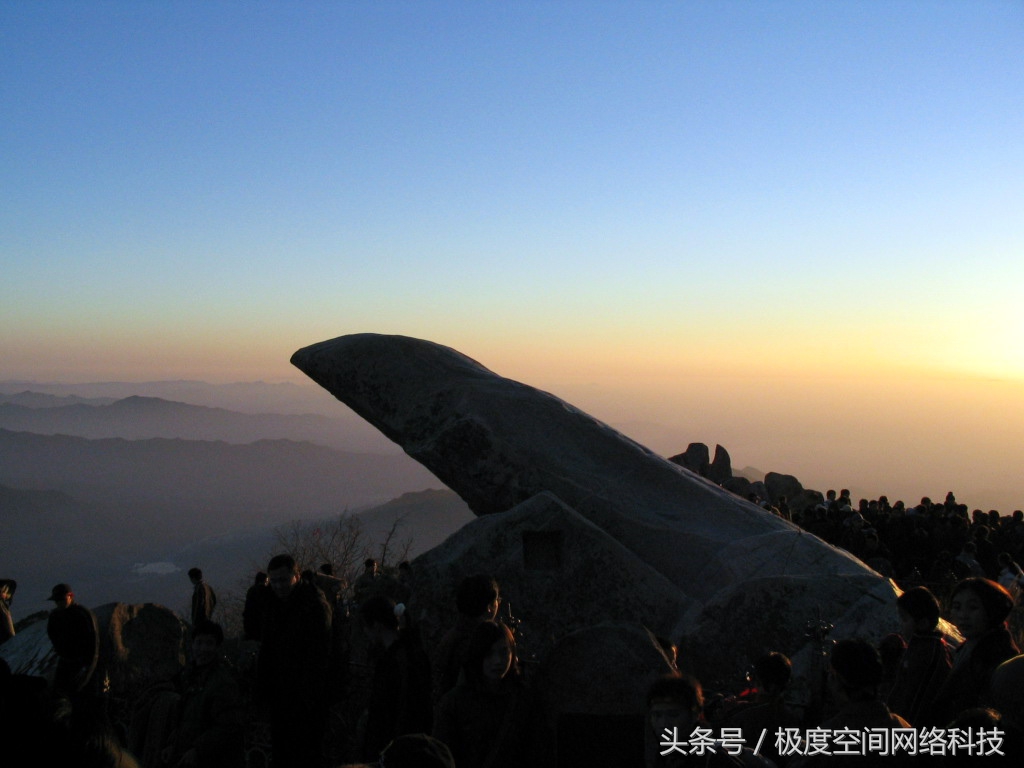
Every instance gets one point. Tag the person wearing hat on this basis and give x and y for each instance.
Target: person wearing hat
(75, 637)
(7, 587)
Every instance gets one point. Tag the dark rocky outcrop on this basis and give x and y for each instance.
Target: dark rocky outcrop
(583, 526)
(779, 485)
(695, 458)
(774, 486)
(738, 485)
(720, 468)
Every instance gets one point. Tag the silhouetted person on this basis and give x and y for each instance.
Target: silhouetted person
(855, 674)
(477, 599)
(75, 638)
(210, 732)
(926, 662)
(332, 586)
(1010, 574)
(7, 588)
(766, 710)
(203, 598)
(257, 598)
(403, 590)
(367, 584)
(966, 565)
(979, 609)
(488, 718)
(675, 706)
(1006, 694)
(399, 700)
(334, 590)
(293, 666)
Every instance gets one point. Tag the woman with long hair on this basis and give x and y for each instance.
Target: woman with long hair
(485, 719)
(979, 609)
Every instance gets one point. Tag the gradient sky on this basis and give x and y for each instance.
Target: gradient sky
(794, 228)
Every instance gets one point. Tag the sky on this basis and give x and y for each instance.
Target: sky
(792, 228)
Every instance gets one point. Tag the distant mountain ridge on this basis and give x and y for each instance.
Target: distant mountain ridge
(31, 399)
(139, 418)
(246, 397)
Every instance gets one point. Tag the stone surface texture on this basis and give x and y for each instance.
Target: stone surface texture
(643, 541)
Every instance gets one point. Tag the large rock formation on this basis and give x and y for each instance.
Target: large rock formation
(594, 528)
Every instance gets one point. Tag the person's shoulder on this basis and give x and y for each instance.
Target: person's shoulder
(312, 599)
(307, 592)
(225, 677)
(80, 611)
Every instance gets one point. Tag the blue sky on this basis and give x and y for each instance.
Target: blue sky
(593, 197)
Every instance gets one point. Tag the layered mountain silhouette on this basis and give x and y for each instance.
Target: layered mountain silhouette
(138, 418)
(93, 482)
(244, 397)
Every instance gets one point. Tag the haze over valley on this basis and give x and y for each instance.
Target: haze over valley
(117, 496)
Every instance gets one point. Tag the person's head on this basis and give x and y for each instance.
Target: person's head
(919, 611)
(674, 701)
(856, 670)
(417, 750)
(978, 605)
(1007, 690)
(490, 654)
(772, 672)
(1004, 559)
(207, 637)
(62, 596)
(890, 650)
(326, 569)
(477, 596)
(283, 574)
(7, 588)
(260, 580)
(195, 575)
(370, 566)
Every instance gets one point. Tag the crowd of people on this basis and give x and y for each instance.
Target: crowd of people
(930, 543)
(465, 700)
